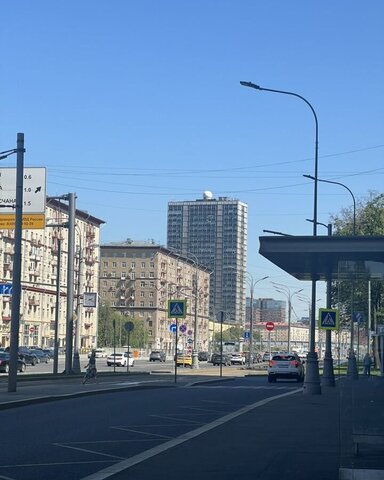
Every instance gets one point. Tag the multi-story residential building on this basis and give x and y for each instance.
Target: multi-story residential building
(40, 273)
(213, 232)
(137, 279)
(265, 310)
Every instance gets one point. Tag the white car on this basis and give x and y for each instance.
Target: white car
(285, 365)
(120, 359)
(237, 359)
(100, 353)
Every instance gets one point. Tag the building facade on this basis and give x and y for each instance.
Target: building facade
(213, 232)
(45, 262)
(137, 279)
(265, 310)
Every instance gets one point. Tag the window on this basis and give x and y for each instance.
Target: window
(132, 275)
(152, 265)
(123, 264)
(151, 294)
(133, 264)
(114, 265)
(105, 264)
(151, 304)
(142, 284)
(142, 264)
(113, 274)
(142, 275)
(141, 304)
(151, 274)
(142, 294)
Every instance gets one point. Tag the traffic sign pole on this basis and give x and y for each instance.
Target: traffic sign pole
(16, 278)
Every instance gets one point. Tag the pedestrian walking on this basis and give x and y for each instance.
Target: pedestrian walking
(367, 362)
(91, 371)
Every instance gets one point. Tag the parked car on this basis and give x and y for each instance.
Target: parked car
(43, 357)
(218, 359)
(203, 356)
(28, 356)
(4, 363)
(49, 351)
(183, 360)
(157, 356)
(285, 365)
(237, 359)
(120, 359)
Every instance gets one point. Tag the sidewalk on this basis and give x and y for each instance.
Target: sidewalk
(300, 436)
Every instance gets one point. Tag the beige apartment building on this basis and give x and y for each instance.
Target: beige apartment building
(137, 279)
(40, 273)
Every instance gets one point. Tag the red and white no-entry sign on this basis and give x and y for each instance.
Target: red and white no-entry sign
(269, 326)
(31, 329)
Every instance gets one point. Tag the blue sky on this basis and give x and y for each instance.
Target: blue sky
(132, 104)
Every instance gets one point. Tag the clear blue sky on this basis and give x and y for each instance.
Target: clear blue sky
(131, 104)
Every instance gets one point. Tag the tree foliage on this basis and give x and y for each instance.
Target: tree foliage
(111, 331)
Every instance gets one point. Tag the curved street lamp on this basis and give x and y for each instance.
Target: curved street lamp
(349, 190)
(312, 378)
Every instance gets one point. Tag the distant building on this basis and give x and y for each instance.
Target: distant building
(138, 278)
(265, 310)
(213, 232)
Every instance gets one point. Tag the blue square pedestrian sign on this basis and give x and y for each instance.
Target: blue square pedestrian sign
(328, 319)
(177, 308)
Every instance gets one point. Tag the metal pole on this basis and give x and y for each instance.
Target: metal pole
(328, 373)
(369, 317)
(128, 351)
(195, 360)
(57, 310)
(70, 283)
(289, 322)
(312, 379)
(76, 355)
(16, 277)
(176, 340)
(250, 359)
(221, 342)
(114, 345)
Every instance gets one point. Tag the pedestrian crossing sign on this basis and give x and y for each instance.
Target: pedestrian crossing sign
(328, 319)
(177, 308)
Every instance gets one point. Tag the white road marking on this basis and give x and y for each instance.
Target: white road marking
(87, 450)
(141, 457)
(128, 429)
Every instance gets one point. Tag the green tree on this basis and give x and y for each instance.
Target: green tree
(111, 329)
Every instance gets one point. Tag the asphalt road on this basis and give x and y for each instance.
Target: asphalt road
(79, 438)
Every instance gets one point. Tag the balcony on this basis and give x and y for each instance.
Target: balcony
(33, 301)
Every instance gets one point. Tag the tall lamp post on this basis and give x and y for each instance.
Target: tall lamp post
(287, 292)
(252, 283)
(312, 378)
(352, 371)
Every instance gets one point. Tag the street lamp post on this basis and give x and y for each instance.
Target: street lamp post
(312, 378)
(252, 283)
(352, 371)
(287, 292)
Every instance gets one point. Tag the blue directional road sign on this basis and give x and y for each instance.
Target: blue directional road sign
(247, 334)
(177, 308)
(328, 319)
(358, 317)
(6, 289)
(173, 328)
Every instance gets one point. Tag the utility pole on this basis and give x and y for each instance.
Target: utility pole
(16, 278)
(70, 283)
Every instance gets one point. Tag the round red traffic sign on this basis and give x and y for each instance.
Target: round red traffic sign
(31, 329)
(269, 326)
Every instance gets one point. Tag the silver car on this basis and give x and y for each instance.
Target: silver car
(285, 365)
